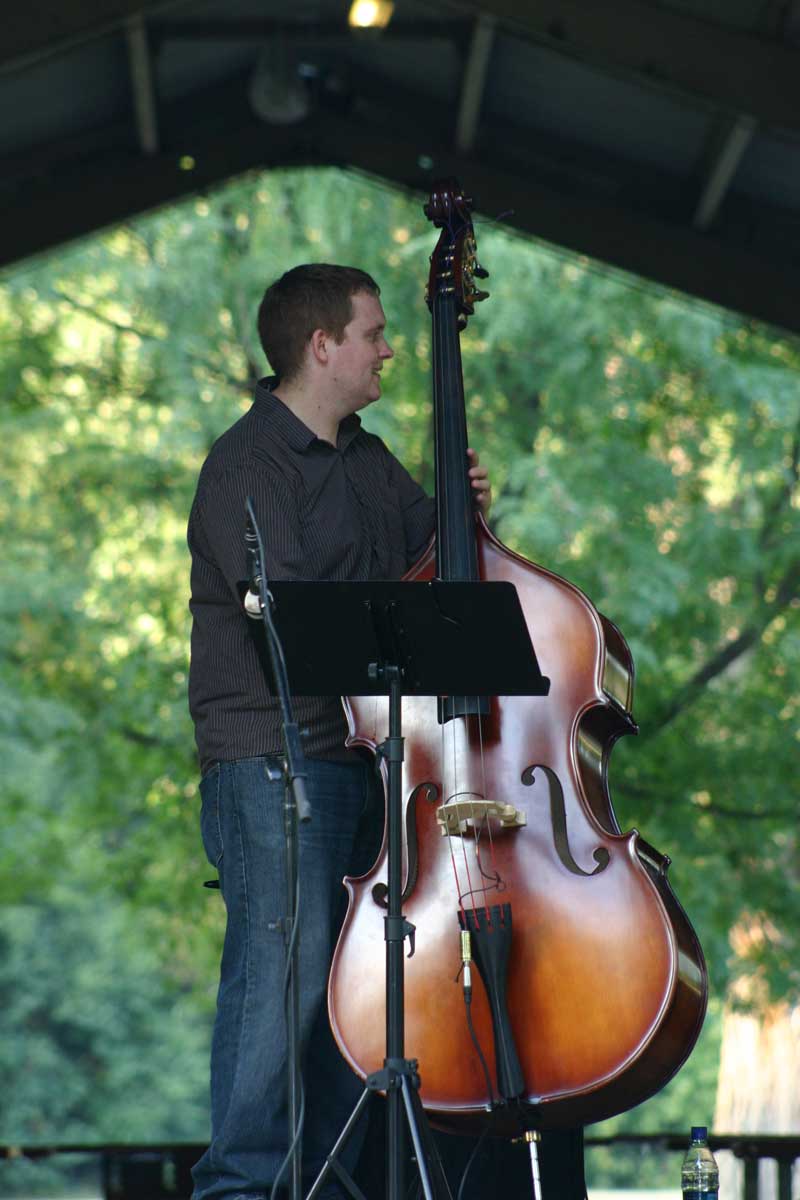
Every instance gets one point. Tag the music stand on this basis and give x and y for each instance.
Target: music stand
(415, 639)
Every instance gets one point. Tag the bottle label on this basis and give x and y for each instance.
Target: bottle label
(693, 1194)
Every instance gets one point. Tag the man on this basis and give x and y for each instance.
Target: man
(331, 503)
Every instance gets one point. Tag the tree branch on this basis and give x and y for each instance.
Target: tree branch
(770, 530)
(117, 326)
(240, 385)
(739, 814)
(141, 739)
(786, 590)
(782, 499)
(720, 810)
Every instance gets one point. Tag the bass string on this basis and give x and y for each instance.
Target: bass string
(449, 796)
(458, 799)
(484, 824)
(448, 356)
(494, 874)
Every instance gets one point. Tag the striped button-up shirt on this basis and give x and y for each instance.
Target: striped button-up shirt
(344, 512)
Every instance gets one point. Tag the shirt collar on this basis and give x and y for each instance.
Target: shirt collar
(297, 435)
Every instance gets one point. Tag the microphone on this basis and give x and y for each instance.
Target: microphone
(252, 600)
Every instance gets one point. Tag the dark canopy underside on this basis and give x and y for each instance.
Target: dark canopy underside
(661, 138)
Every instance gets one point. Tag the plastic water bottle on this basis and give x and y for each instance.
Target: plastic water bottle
(699, 1173)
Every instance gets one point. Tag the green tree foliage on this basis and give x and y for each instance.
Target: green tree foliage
(643, 446)
(99, 1044)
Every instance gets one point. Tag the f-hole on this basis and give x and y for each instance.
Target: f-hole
(558, 818)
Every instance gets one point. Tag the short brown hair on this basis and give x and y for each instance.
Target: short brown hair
(309, 297)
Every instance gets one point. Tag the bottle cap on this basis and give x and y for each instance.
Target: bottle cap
(699, 1133)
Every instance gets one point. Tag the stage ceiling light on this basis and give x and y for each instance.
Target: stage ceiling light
(370, 14)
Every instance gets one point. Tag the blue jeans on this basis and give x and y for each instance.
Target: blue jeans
(243, 835)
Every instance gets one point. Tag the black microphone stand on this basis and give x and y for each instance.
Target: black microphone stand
(295, 807)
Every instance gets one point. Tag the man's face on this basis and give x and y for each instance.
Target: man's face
(356, 362)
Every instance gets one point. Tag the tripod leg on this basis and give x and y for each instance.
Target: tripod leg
(395, 1146)
(431, 1172)
(332, 1162)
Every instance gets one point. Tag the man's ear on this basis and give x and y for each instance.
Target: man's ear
(318, 344)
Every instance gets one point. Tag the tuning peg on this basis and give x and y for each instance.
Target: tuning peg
(480, 271)
(476, 296)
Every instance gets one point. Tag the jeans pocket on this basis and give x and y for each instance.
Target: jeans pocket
(210, 824)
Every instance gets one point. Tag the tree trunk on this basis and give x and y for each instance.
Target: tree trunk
(758, 1089)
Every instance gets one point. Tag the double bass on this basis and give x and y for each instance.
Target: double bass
(510, 834)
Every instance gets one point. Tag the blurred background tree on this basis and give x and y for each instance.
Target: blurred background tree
(644, 445)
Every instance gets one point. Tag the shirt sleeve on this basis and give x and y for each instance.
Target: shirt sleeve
(417, 507)
(219, 523)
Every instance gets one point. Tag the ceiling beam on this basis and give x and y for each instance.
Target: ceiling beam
(728, 69)
(43, 28)
(732, 142)
(474, 82)
(240, 29)
(386, 142)
(675, 256)
(791, 21)
(40, 28)
(140, 63)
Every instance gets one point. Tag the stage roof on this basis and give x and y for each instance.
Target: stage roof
(661, 138)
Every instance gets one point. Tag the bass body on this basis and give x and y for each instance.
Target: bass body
(606, 985)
